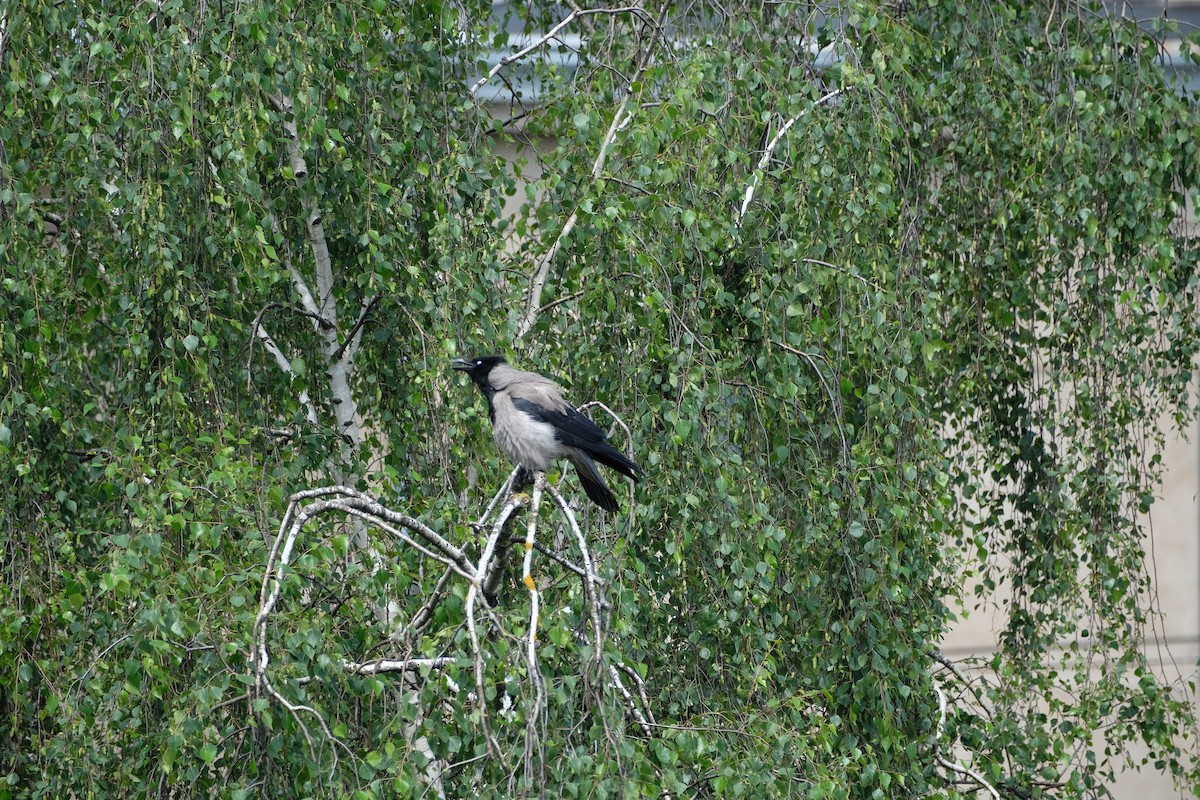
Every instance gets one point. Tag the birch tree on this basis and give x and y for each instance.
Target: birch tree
(883, 296)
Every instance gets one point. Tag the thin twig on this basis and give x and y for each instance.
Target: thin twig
(836, 406)
(559, 301)
(352, 337)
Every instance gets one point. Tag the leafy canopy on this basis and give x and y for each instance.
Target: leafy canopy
(934, 343)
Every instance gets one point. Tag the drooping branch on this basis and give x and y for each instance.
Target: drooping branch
(835, 404)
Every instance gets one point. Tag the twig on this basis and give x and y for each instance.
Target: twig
(352, 338)
(480, 524)
(836, 406)
(562, 561)
(424, 614)
(566, 299)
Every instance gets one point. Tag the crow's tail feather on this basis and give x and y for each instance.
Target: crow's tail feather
(613, 458)
(593, 484)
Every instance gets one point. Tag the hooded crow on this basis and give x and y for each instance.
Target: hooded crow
(534, 425)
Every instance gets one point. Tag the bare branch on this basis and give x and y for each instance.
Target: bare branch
(563, 562)
(534, 715)
(968, 684)
(393, 665)
(4, 33)
(591, 582)
(615, 679)
(641, 687)
(416, 625)
(565, 299)
(473, 593)
(306, 506)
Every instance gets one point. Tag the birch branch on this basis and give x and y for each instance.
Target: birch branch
(338, 368)
(312, 215)
(473, 593)
(631, 704)
(961, 769)
(534, 716)
(770, 151)
(537, 281)
(539, 486)
(549, 35)
(306, 506)
(299, 285)
(591, 582)
(285, 364)
(3, 36)
(394, 665)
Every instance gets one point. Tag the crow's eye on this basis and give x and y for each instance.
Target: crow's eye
(479, 363)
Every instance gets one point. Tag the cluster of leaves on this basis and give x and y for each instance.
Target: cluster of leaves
(946, 309)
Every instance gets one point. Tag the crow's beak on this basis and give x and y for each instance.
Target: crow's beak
(462, 365)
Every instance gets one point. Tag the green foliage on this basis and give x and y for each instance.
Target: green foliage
(935, 342)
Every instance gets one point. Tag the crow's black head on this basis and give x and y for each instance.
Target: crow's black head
(478, 369)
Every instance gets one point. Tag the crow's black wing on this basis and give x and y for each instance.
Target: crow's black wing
(574, 429)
